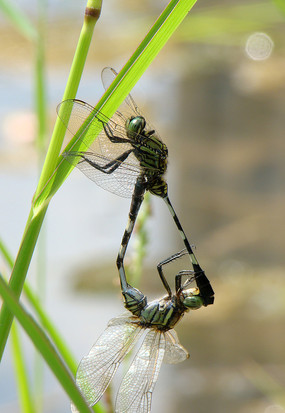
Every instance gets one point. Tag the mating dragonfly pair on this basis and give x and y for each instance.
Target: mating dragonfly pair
(128, 158)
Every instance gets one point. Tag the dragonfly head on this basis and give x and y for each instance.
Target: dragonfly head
(135, 125)
(192, 299)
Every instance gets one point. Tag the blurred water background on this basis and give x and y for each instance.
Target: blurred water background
(216, 96)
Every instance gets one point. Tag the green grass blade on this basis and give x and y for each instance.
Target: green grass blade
(44, 346)
(35, 303)
(18, 19)
(17, 278)
(40, 103)
(5, 253)
(23, 382)
(51, 329)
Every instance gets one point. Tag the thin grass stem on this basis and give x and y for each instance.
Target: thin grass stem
(21, 374)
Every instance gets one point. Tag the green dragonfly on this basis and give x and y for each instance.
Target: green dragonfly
(152, 323)
(128, 158)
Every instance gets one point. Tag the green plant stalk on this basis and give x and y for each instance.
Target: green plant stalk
(35, 221)
(92, 13)
(41, 112)
(40, 78)
(41, 295)
(44, 346)
(23, 384)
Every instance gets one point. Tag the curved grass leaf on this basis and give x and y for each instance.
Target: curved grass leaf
(44, 346)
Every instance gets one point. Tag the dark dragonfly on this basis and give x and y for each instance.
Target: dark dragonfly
(128, 158)
(154, 322)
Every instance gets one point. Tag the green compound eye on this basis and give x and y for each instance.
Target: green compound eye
(193, 302)
(136, 124)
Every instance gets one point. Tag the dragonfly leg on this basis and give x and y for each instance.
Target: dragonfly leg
(202, 281)
(113, 138)
(178, 279)
(167, 261)
(110, 166)
(134, 299)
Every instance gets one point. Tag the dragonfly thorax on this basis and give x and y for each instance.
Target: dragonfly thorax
(165, 312)
(162, 314)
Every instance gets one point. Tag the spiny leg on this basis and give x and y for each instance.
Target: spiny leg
(113, 138)
(110, 166)
(167, 261)
(178, 279)
(115, 163)
(202, 281)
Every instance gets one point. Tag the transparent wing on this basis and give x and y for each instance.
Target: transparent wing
(135, 392)
(129, 106)
(174, 351)
(73, 112)
(110, 161)
(108, 75)
(121, 176)
(120, 182)
(96, 370)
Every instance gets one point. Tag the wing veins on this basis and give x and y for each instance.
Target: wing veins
(97, 369)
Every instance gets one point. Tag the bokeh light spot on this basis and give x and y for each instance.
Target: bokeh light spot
(259, 46)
